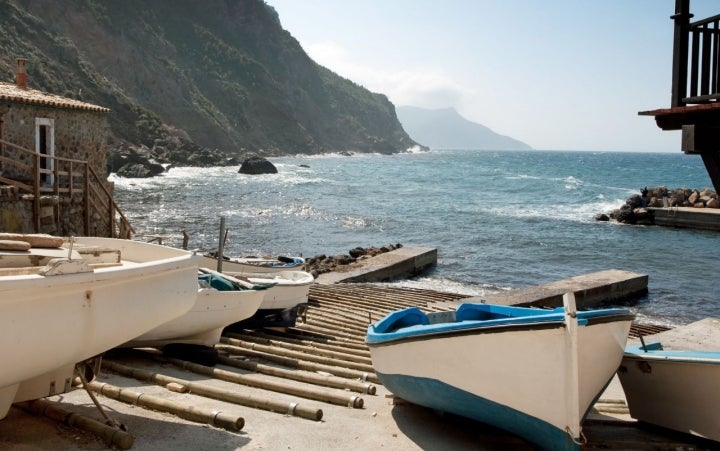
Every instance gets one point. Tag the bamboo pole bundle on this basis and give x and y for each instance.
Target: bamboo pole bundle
(357, 317)
(339, 325)
(301, 364)
(308, 349)
(340, 399)
(390, 298)
(297, 333)
(111, 436)
(350, 319)
(330, 347)
(351, 337)
(256, 402)
(311, 378)
(296, 354)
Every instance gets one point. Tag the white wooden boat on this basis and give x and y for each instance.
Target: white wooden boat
(285, 293)
(66, 311)
(219, 303)
(675, 389)
(533, 372)
(255, 264)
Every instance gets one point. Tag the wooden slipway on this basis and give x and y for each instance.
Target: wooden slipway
(310, 386)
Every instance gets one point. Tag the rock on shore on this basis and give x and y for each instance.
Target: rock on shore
(635, 211)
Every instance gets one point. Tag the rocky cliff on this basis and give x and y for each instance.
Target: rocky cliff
(211, 74)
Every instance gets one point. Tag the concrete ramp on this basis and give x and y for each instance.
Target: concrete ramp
(399, 263)
(590, 290)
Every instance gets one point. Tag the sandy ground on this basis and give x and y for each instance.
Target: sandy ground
(380, 424)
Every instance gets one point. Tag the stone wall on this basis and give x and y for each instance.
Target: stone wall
(635, 211)
(79, 135)
(62, 216)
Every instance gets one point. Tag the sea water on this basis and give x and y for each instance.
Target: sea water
(500, 220)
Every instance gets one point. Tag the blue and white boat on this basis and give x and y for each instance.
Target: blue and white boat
(533, 372)
(675, 389)
(255, 264)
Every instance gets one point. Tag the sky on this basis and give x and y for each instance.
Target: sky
(555, 74)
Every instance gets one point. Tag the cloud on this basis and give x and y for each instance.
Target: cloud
(417, 87)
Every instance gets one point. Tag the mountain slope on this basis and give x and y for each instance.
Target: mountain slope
(222, 73)
(446, 129)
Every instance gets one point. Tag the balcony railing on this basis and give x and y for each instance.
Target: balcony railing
(66, 178)
(696, 58)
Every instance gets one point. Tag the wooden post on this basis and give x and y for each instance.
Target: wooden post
(682, 18)
(36, 192)
(221, 244)
(86, 199)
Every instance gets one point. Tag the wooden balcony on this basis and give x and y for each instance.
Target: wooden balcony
(695, 99)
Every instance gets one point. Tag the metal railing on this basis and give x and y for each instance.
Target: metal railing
(67, 177)
(696, 58)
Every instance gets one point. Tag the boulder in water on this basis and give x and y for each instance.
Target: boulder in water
(257, 165)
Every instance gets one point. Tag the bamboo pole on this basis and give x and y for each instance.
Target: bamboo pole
(196, 414)
(353, 338)
(315, 344)
(339, 335)
(260, 334)
(216, 393)
(303, 348)
(295, 332)
(311, 378)
(301, 364)
(296, 354)
(342, 399)
(111, 436)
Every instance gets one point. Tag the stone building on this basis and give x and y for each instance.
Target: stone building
(53, 176)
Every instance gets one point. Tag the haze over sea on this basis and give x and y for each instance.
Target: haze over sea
(500, 220)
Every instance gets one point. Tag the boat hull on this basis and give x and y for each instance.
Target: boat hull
(288, 291)
(515, 377)
(49, 323)
(255, 265)
(678, 390)
(204, 323)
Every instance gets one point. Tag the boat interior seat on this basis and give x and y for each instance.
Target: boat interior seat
(399, 319)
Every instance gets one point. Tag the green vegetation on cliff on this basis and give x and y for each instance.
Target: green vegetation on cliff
(222, 73)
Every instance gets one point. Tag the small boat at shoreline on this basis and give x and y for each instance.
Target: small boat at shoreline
(533, 372)
(62, 306)
(675, 389)
(286, 293)
(219, 303)
(255, 264)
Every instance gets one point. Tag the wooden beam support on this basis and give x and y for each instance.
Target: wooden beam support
(704, 140)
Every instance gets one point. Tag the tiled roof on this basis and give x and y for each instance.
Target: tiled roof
(10, 92)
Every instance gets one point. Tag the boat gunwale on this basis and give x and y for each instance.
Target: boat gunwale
(508, 317)
(655, 354)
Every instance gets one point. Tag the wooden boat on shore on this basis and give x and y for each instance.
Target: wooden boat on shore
(219, 303)
(61, 306)
(530, 371)
(675, 389)
(255, 265)
(286, 293)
